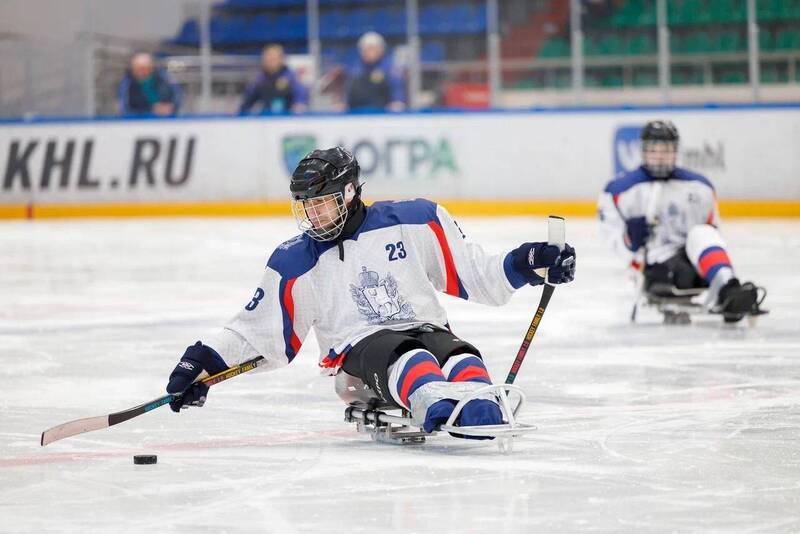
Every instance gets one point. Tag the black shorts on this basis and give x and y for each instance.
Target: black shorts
(371, 357)
(676, 272)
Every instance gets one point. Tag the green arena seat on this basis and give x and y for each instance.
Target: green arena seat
(683, 77)
(767, 10)
(765, 41)
(555, 47)
(728, 11)
(787, 39)
(697, 42)
(789, 9)
(610, 45)
(563, 80)
(644, 78)
(612, 80)
(641, 44)
(733, 77)
(770, 74)
(730, 41)
(676, 45)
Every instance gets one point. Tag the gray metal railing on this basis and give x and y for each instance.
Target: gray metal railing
(81, 77)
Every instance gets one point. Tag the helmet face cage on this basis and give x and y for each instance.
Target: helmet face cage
(322, 217)
(659, 148)
(659, 157)
(323, 184)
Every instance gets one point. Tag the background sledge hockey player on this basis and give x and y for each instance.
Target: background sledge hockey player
(665, 218)
(365, 277)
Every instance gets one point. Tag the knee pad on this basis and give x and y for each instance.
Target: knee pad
(707, 252)
(701, 237)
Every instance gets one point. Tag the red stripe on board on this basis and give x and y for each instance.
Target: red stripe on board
(470, 372)
(288, 302)
(423, 368)
(451, 285)
(713, 258)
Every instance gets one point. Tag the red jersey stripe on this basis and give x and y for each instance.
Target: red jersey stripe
(288, 302)
(451, 285)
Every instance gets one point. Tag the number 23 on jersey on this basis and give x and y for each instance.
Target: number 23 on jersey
(396, 251)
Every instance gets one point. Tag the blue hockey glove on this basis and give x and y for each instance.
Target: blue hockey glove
(531, 256)
(636, 233)
(563, 271)
(197, 358)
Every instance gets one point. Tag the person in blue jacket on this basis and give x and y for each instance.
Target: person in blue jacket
(146, 90)
(277, 89)
(375, 83)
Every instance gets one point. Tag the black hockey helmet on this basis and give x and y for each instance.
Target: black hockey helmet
(659, 148)
(660, 131)
(323, 172)
(323, 186)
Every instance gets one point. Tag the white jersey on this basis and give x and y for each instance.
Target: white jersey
(401, 254)
(676, 205)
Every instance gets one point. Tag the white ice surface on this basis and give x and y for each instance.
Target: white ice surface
(645, 428)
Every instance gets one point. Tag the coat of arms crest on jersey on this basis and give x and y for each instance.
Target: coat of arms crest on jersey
(379, 300)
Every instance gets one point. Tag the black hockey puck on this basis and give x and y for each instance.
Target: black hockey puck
(143, 459)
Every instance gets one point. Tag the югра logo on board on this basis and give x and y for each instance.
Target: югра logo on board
(391, 157)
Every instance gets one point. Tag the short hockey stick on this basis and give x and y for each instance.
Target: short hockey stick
(555, 236)
(103, 421)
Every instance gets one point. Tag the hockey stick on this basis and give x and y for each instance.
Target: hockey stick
(89, 424)
(652, 221)
(555, 236)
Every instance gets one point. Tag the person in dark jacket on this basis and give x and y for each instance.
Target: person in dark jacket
(375, 83)
(147, 90)
(277, 89)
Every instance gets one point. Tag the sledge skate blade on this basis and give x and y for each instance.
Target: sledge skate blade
(493, 431)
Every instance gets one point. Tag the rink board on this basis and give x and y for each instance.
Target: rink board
(494, 163)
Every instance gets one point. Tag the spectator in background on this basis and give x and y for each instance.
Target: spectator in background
(375, 83)
(147, 90)
(277, 89)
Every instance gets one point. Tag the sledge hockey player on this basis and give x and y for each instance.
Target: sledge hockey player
(664, 218)
(364, 277)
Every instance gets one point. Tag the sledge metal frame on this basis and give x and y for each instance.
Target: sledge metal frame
(387, 428)
(678, 307)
